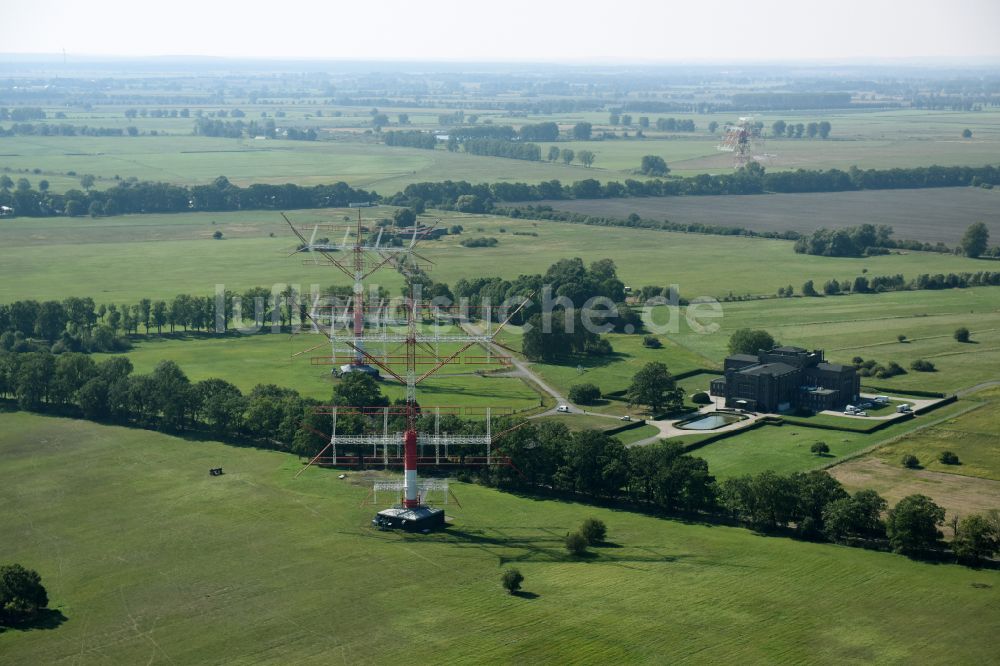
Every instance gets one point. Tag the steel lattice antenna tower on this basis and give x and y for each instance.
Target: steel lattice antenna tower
(372, 325)
(743, 139)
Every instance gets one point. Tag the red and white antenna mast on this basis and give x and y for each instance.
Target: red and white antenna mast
(357, 328)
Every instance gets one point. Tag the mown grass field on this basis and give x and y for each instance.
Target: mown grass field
(193, 160)
(279, 359)
(159, 256)
(151, 560)
(785, 448)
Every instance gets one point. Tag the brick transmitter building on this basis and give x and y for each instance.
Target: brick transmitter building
(784, 379)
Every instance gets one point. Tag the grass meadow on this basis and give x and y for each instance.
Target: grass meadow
(158, 256)
(148, 559)
(785, 448)
(285, 360)
(974, 436)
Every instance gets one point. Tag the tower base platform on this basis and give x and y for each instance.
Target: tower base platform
(416, 519)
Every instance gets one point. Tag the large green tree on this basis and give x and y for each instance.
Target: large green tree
(21, 593)
(655, 387)
(857, 516)
(912, 525)
(358, 389)
(654, 165)
(975, 240)
(976, 538)
(749, 341)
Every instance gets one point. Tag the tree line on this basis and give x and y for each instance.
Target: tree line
(796, 130)
(78, 324)
(772, 101)
(869, 240)
(131, 196)
(499, 148)
(546, 455)
(237, 128)
(22, 113)
(812, 505)
(877, 284)
(410, 139)
(65, 129)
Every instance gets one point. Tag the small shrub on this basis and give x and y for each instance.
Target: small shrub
(888, 371)
(593, 530)
(576, 544)
(652, 342)
(901, 337)
(511, 580)
(217, 235)
(479, 242)
(948, 458)
(701, 398)
(820, 448)
(584, 394)
(962, 334)
(920, 365)
(910, 461)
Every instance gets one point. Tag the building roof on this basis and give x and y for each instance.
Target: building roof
(832, 367)
(776, 369)
(789, 350)
(752, 358)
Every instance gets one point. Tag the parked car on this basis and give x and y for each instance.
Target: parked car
(563, 408)
(903, 409)
(625, 418)
(861, 413)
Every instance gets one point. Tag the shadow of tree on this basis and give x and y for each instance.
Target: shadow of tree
(46, 618)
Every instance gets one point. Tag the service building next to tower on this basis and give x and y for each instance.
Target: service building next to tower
(784, 379)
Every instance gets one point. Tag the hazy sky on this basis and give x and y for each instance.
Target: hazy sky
(540, 30)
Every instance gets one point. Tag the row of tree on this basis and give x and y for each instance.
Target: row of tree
(22, 113)
(862, 240)
(78, 324)
(796, 130)
(869, 240)
(65, 129)
(132, 196)
(169, 113)
(145, 197)
(410, 139)
(814, 504)
(634, 220)
(864, 284)
(499, 148)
